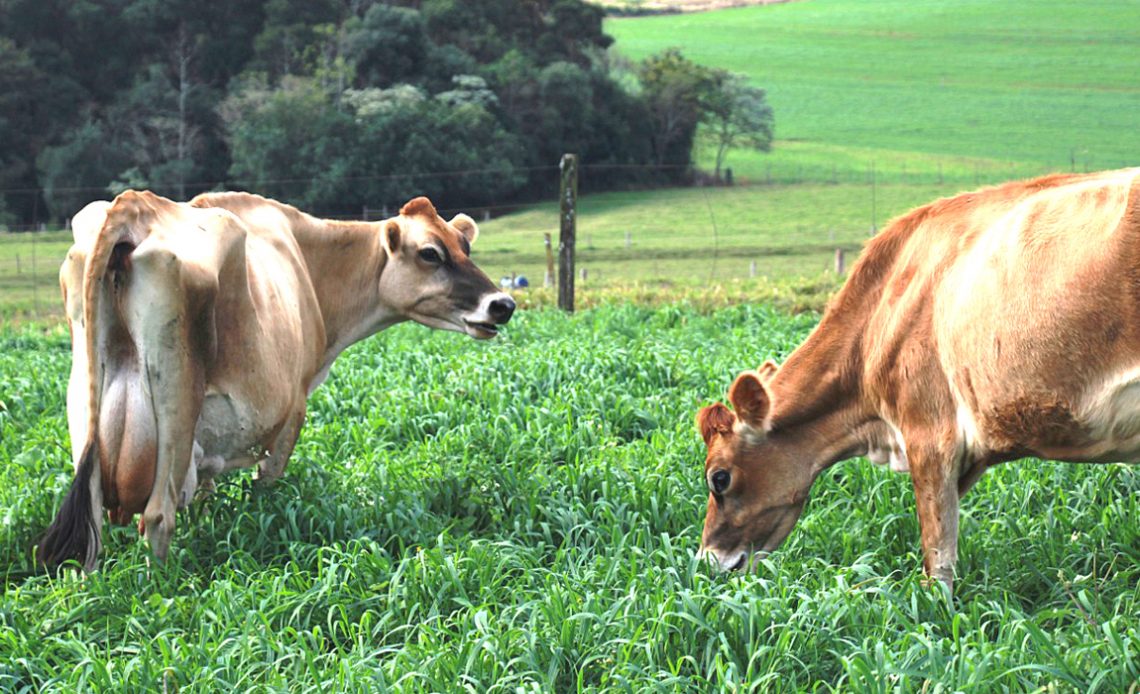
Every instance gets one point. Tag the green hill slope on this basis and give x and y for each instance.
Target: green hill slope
(976, 85)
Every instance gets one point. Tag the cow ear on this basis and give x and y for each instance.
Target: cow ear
(715, 419)
(466, 226)
(390, 236)
(767, 370)
(750, 398)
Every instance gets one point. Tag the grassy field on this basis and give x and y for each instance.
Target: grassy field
(689, 238)
(29, 274)
(980, 88)
(703, 235)
(522, 516)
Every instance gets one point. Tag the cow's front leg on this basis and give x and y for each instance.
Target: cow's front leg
(936, 498)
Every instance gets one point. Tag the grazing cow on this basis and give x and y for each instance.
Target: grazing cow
(975, 330)
(198, 331)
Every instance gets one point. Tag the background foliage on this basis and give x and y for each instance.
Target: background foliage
(334, 105)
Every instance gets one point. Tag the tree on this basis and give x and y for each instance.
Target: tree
(676, 90)
(22, 84)
(291, 143)
(737, 114)
(77, 170)
(389, 45)
(152, 122)
(290, 28)
(403, 140)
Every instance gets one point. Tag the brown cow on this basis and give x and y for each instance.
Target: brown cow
(975, 330)
(199, 330)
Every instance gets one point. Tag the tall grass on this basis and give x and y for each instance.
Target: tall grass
(522, 515)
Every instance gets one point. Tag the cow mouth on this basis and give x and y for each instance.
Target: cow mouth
(481, 331)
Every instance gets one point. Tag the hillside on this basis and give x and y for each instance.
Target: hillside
(1004, 87)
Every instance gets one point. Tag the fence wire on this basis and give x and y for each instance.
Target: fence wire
(777, 220)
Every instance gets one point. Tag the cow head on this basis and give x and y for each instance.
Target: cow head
(429, 276)
(757, 475)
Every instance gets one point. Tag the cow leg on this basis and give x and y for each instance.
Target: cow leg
(272, 467)
(936, 498)
(160, 318)
(190, 484)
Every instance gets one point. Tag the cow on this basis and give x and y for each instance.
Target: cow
(199, 329)
(978, 329)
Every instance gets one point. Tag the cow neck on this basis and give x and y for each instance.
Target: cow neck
(819, 388)
(816, 395)
(345, 260)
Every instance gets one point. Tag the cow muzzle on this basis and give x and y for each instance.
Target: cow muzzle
(735, 560)
(494, 310)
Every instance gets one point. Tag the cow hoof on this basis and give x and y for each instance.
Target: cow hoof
(932, 582)
(265, 477)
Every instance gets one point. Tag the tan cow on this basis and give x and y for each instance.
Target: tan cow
(978, 329)
(198, 331)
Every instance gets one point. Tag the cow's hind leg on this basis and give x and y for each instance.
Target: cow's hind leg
(161, 306)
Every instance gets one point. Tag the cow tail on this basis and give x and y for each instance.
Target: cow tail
(75, 532)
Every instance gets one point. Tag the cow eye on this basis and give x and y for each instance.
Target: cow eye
(720, 481)
(430, 255)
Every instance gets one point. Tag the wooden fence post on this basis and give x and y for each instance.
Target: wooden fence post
(568, 196)
(839, 261)
(548, 281)
(35, 287)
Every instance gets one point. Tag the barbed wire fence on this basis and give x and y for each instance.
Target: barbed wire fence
(701, 233)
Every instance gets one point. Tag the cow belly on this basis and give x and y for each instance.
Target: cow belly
(1110, 416)
(230, 429)
(1100, 425)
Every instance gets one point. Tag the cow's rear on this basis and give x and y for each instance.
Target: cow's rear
(94, 318)
(126, 301)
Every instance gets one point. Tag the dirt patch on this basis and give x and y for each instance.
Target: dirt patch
(664, 7)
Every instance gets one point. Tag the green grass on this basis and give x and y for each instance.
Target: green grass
(687, 239)
(522, 515)
(29, 274)
(703, 234)
(981, 88)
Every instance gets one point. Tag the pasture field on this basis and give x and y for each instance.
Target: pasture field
(522, 515)
(703, 235)
(681, 240)
(29, 273)
(974, 87)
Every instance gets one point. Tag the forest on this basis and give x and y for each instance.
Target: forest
(332, 105)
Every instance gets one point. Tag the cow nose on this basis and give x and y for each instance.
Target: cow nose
(501, 309)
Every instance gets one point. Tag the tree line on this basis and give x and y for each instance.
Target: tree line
(335, 105)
